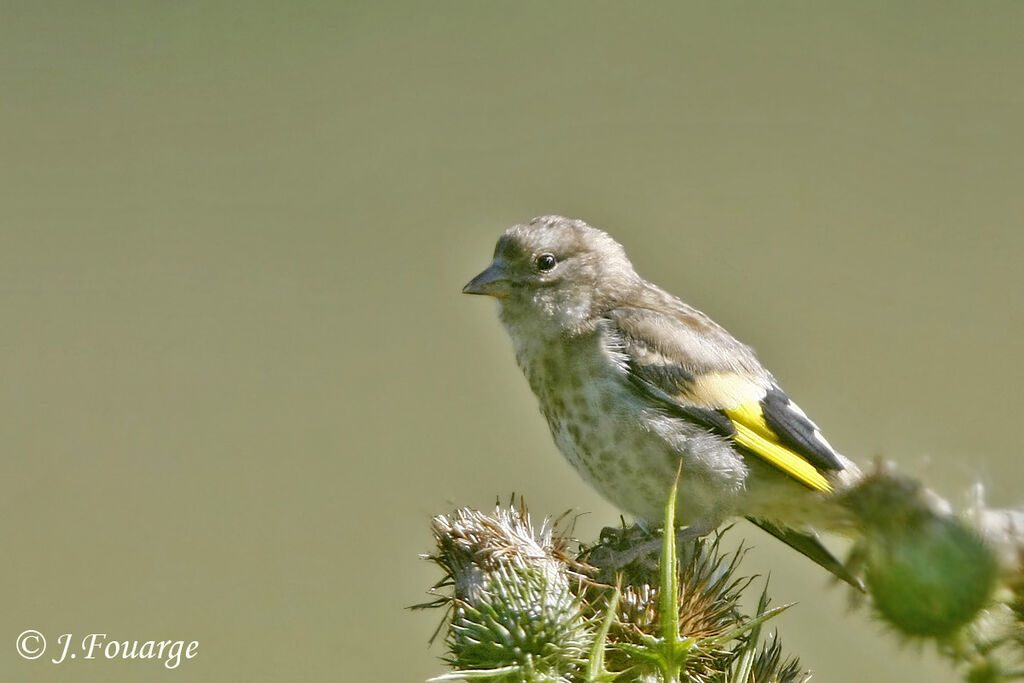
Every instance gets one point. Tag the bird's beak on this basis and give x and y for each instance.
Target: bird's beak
(491, 282)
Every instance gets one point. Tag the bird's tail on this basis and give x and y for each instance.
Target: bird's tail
(809, 546)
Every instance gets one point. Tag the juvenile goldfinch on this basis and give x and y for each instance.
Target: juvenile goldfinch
(632, 381)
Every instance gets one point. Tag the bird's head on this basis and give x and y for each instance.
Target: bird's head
(555, 272)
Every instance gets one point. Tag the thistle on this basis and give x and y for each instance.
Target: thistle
(521, 608)
(955, 581)
(513, 616)
(928, 572)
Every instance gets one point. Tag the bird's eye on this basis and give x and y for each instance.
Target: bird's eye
(546, 262)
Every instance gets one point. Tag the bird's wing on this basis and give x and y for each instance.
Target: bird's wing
(689, 365)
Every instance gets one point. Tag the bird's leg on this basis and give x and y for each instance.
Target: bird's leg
(693, 531)
(617, 559)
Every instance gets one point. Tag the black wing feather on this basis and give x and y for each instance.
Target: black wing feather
(796, 432)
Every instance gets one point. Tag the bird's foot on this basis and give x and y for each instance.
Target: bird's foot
(634, 550)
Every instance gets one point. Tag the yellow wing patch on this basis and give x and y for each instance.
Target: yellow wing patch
(716, 389)
(753, 433)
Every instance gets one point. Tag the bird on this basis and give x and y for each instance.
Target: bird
(637, 386)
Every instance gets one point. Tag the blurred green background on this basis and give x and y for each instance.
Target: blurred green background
(238, 377)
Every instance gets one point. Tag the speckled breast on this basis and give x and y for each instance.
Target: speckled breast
(599, 423)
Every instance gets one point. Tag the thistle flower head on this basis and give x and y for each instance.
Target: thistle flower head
(513, 614)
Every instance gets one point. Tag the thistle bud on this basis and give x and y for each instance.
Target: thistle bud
(928, 573)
